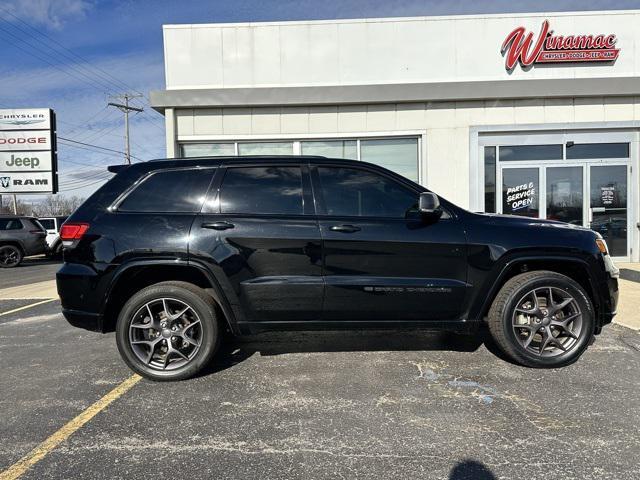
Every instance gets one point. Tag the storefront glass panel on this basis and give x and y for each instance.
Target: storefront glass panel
(510, 153)
(331, 148)
(520, 191)
(208, 149)
(608, 192)
(565, 194)
(265, 148)
(597, 150)
(397, 154)
(490, 179)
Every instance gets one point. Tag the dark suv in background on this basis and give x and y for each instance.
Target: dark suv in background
(168, 253)
(20, 237)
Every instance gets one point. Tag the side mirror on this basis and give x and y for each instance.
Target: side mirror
(429, 204)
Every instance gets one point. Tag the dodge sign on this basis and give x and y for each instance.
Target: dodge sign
(28, 161)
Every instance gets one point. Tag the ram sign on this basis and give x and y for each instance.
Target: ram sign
(28, 160)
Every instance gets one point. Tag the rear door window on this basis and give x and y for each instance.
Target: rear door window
(262, 190)
(171, 191)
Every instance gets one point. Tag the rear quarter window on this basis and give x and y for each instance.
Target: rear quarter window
(10, 224)
(171, 191)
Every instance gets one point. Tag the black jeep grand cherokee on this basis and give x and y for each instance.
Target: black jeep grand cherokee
(169, 253)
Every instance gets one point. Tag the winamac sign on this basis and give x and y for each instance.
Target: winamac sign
(523, 47)
(28, 160)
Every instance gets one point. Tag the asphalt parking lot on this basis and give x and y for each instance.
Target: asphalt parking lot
(317, 405)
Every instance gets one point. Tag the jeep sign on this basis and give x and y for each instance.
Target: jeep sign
(28, 161)
(25, 161)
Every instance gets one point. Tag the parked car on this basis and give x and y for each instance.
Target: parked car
(169, 253)
(54, 243)
(20, 237)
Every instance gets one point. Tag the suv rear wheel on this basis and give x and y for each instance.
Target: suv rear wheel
(10, 256)
(168, 331)
(542, 319)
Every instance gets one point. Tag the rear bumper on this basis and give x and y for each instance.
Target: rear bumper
(81, 294)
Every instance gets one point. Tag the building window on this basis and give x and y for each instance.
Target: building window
(399, 155)
(585, 151)
(490, 179)
(331, 148)
(208, 149)
(265, 148)
(530, 152)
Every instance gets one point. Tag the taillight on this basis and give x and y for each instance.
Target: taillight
(73, 231)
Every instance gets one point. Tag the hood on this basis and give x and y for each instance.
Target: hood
(515, 220)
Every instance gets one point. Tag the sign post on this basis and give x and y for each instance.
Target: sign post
(28, 152)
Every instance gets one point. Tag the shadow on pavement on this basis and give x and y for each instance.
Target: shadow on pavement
(234, 350)
(471, 470)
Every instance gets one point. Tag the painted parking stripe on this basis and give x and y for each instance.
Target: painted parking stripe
(27, 306)
(42, 450)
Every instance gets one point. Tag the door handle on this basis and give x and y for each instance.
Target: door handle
(345, 228)
(217, 225)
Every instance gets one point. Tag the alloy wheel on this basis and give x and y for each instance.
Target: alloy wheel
(547, 321)
(9, 256)
(165, 334)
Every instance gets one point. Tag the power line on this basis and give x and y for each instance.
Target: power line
(94, 146)
(51, 39)
(82, 186)
(80, 68)
(89, 82)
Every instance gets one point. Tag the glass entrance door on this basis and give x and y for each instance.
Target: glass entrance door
(565, 194)
(591, 195)
(608, 206)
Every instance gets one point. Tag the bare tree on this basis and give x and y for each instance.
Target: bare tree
(49, 206)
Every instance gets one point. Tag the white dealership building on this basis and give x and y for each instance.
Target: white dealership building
(545, 106)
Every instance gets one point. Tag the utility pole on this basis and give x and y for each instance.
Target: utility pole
(124, 107)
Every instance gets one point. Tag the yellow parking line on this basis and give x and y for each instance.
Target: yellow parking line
(42, 450)
(27, 306)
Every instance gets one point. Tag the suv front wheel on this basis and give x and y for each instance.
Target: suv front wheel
(168, 331)
(542, 319)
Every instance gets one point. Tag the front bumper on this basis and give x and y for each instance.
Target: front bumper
(86, 320)
(610, 294)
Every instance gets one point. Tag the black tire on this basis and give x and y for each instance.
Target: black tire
(511, 325)
(10, 256)
(202, 307)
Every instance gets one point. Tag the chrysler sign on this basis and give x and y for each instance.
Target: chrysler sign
(28, 162)
(35, 118)
(523, 47)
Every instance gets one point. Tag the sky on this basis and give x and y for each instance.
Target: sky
(73, 55)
